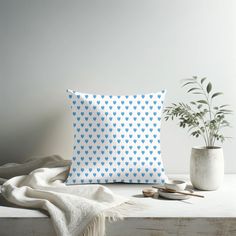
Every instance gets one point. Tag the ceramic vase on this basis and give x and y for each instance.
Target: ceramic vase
(207, 167)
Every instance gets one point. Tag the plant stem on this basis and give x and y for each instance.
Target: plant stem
(204, 136)
(217, 130)
(208, 133)
(205, 128)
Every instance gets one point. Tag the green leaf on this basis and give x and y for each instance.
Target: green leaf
(202, 101)
(225, 110)
(203, 79)
(192, 89)
(209, 87)
(216, 94)
(197, 93)
(226, 105)
(187, 79)
(185, 84)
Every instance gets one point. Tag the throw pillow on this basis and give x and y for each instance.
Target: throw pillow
(116, 138)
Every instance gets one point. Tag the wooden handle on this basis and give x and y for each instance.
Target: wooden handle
(174, 191)
(191, 194)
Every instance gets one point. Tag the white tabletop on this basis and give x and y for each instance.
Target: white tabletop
(220, 203)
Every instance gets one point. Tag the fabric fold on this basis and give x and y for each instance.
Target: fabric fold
(74, 210)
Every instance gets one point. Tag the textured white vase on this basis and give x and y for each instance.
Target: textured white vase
(207, 167)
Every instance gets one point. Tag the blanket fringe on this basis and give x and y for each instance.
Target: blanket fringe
(122, 210)
(96, 226)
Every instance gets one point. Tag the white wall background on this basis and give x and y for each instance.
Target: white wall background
(109, 47)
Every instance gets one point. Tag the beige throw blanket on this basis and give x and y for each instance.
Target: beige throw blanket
(74, 210)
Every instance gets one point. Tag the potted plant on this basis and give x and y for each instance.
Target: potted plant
(203, 119)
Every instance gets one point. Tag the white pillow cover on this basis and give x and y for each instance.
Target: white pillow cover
(116, 138)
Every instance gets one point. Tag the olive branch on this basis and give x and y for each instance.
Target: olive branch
(201, 117)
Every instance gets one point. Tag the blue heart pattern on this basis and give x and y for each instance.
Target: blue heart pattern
(116, 138)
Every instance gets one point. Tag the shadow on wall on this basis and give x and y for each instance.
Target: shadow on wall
(31, 138)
